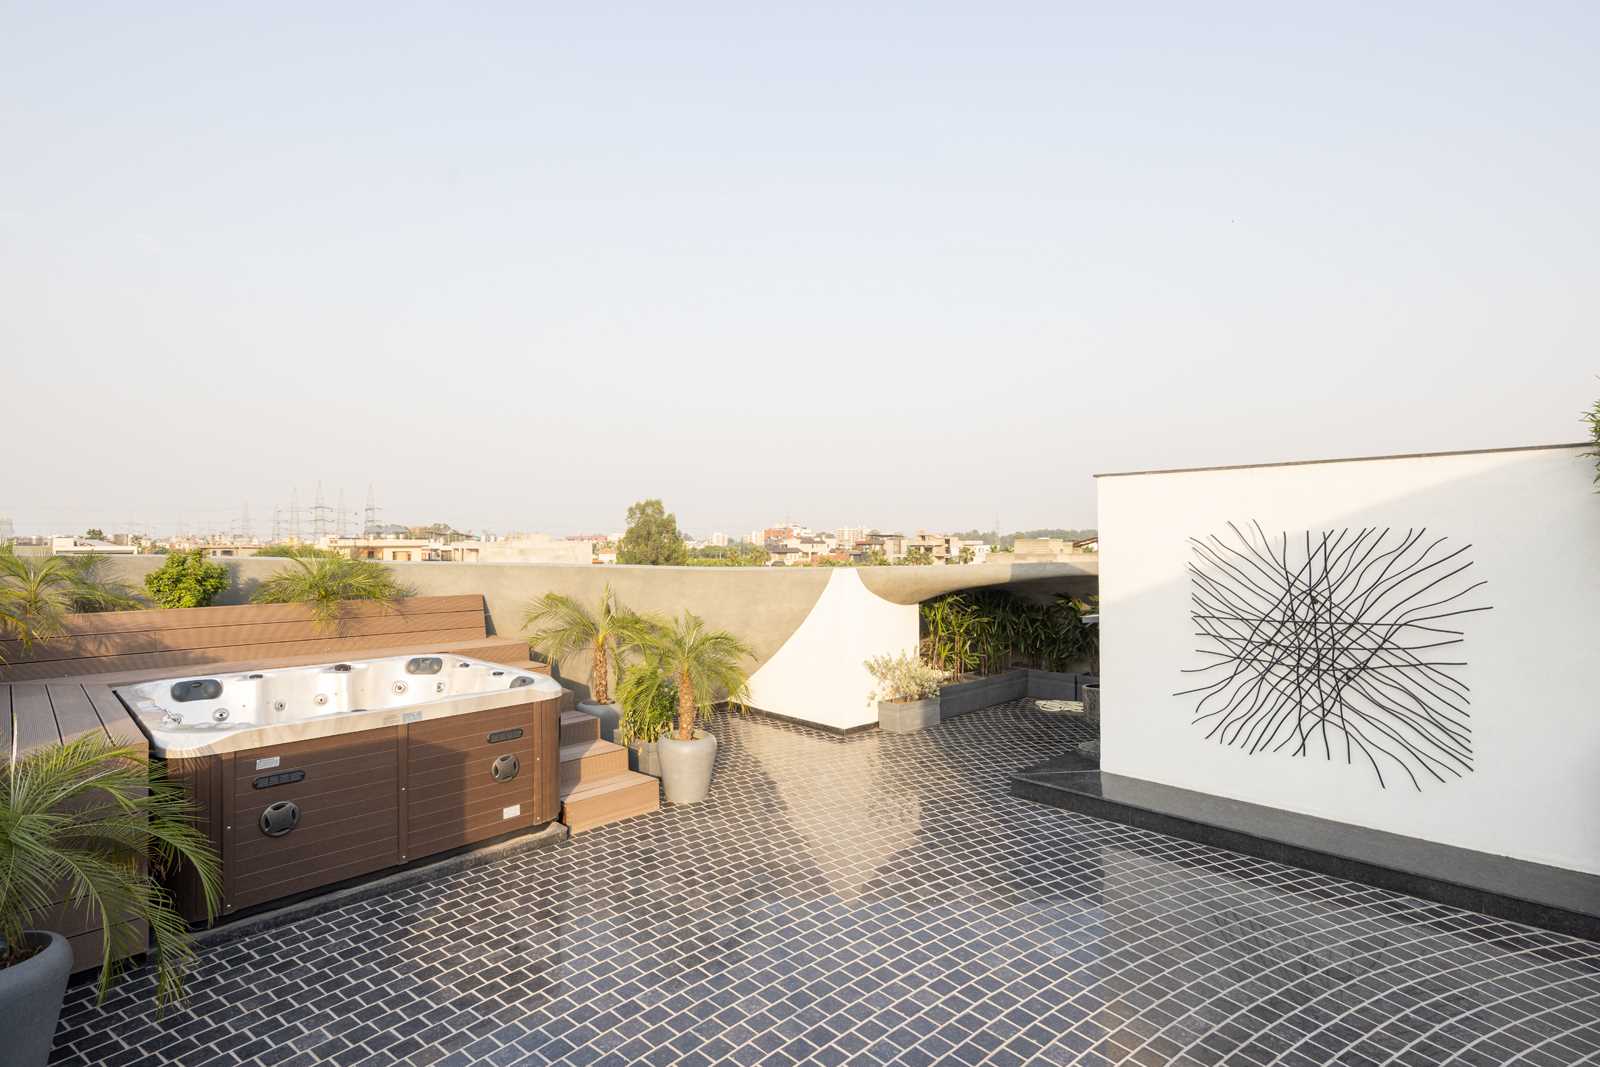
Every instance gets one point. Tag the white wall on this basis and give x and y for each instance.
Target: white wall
(1534, 526)
(818, 675)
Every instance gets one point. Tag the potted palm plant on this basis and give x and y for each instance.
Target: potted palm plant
(558, 626)
(327, 584)
(907, 693)
(104, 824)
(705, 668)
(649, 702)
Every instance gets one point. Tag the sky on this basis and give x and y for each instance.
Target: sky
(917, 266)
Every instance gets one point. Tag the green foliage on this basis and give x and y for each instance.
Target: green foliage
(288, 551)
(903, 677)
(37, 593)
(186, 580)
(328, 583)
(876, 558)
(106, 824)
(558, 626)
(705, 666)
(1592, 417)
(983, 632)
(652, 536)
(735, 555)
(94, 533)
(916, 556)
(649, 701)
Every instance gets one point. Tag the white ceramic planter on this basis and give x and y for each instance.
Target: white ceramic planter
(686, 767)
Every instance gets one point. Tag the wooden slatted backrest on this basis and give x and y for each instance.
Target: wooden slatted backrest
(125, 642)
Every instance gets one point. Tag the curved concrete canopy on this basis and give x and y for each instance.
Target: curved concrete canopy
(912, 585)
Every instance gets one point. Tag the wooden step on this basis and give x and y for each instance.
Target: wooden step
(589, 762)
(576, 727)
(609, 800)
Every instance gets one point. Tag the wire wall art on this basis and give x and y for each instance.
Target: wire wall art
(1340, 644)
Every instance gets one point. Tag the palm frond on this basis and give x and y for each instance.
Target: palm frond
(98, 820)
(328, 584)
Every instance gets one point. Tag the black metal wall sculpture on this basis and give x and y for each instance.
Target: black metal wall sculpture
(1331, 644)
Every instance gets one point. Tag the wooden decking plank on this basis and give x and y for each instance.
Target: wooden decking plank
(75, 714)
(6, 734)
(94, 646)
(119, 724)
(112, 622)
(198, 661)
(33, 718)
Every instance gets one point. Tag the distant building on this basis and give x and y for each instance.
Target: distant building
(719, 540)
(84, 546)
(389, 549)
(1051, 549)
(523, 548)
(230, 549)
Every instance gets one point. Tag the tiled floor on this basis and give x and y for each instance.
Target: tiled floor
(866, 900)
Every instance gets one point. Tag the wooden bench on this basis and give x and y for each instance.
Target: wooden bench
(132, 646)
(34, 716)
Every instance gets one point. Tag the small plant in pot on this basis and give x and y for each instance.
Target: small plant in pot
(558, 627)
(907, 692)
(649, 702)
(92, 827)
(705, 668)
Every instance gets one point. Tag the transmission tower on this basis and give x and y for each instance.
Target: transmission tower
(246, 533)
(277, 524)
(370, 527)
(319, 516)
(339, 522)
(294, 515)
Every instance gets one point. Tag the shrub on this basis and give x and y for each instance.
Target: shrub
(903, 677)
(649, 701)
(985, 630)
(186, 580)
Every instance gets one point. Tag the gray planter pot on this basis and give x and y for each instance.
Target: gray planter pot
(30, 1000)
(644, 757)
(608, 714)
(907, 716)
(1091, 703)
(686, 767)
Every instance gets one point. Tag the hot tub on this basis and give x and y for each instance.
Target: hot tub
(207, 714)
(307, 777)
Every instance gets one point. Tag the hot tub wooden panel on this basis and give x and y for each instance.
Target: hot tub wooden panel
(452, 796)
(346, 804)
(369, 800)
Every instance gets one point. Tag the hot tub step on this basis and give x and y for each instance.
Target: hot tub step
(577, 727)
(591, 762)
(618, 797)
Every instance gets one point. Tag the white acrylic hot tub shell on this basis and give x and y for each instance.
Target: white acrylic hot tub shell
(276, 706)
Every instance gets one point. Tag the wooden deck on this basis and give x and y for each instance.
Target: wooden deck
(34, 716)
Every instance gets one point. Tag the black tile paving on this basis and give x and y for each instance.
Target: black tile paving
(869, 900)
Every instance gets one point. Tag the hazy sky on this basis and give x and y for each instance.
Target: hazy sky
(914, 265)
